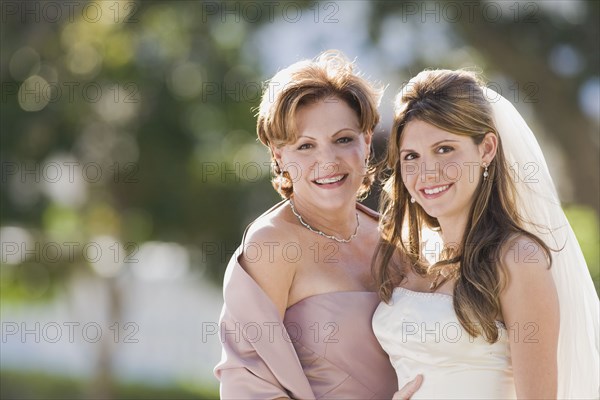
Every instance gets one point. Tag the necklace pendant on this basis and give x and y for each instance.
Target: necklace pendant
(319, 232)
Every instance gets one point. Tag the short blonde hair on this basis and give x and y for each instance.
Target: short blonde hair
(330, 74)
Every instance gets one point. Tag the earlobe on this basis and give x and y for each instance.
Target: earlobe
(276, 154)
(489, 147)
(368, 138)
(368, 141)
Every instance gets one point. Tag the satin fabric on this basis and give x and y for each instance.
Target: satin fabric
(258, 359)
(422, 335)
(339, 353)
(339, 358)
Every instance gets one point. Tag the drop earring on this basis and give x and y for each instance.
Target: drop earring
(412, 200)
(279, 180)
(278, 175)
(485, 171)
(369, 156)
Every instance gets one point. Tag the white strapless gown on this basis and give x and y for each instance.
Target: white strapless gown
(422, 335)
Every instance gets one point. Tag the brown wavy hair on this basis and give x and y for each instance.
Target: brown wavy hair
(330, 74)
(455, 102)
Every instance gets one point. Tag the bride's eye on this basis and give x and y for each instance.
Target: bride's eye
(344, 140)
(444, 149)
(410, 156)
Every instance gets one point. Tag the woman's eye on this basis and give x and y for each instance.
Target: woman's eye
(304, 146)
(410, 156)
(344, 140)
(444, 149)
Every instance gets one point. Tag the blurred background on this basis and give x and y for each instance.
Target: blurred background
(130, 165)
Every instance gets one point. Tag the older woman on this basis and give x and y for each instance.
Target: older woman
(299, 295)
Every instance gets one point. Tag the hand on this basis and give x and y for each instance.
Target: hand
(409, 389)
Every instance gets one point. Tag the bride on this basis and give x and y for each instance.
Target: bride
(508, 309)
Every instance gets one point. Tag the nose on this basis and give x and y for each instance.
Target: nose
(327, 160)
(429, 170)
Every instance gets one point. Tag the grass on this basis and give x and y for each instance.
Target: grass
(35, 385)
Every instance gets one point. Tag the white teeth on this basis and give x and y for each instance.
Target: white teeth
(436, 190)
(329, 180)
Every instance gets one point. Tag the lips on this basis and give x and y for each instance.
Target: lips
(435, 191)
(331, 181)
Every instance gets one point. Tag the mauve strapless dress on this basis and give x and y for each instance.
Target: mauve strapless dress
(340, 355)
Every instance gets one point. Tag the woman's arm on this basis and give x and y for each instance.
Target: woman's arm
(531, 313)
(243, 372)
(265, 263)
(241, 383)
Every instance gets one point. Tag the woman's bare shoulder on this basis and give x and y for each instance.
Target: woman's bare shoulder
(264, 260)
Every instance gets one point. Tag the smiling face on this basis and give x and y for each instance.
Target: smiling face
(327, 161)
(442, 170)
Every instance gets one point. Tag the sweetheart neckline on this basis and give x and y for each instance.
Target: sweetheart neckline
(331, 293)
(424, 294)
(499, 324)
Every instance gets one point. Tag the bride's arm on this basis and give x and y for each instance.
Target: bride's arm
(530, 310)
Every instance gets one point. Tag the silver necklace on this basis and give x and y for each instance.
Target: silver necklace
(310, 228)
